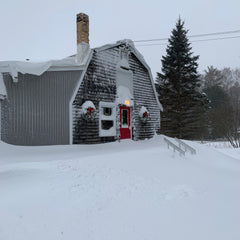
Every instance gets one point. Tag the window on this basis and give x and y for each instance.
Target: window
(107, 124)
(124, 118)
(107, 111)
(107, 119)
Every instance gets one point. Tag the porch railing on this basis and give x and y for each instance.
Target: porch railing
(186, 147)
(175, 147)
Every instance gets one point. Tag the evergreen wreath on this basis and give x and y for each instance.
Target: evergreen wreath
(88, 111)
(144, 114)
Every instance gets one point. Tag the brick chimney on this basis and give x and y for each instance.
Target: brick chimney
(83, 48)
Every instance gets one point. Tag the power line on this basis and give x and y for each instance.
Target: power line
(214, 39)
(151, 40)
(201, 40)
(191, 36)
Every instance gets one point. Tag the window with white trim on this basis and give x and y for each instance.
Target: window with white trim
(107, 119)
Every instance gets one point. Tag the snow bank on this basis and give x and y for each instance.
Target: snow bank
(127, 190)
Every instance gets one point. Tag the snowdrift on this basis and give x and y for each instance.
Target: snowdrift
(127, 190)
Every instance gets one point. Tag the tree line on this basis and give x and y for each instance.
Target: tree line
(196, 106)
(222, 88)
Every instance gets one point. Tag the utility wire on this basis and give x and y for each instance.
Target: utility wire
(214, 39)
(191, 36)
(201, 40)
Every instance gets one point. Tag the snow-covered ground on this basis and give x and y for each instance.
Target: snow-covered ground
(119, 191)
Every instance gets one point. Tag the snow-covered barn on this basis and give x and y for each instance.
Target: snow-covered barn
(98, 95)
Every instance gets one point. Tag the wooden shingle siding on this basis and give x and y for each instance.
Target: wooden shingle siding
(144, 96)
(38, 108)
(99, 84)
(5, 124)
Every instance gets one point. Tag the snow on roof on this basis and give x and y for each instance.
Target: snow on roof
(127, 42)
(37, 68)
(13, 67)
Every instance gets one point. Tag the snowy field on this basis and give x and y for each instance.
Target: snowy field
(119, 191)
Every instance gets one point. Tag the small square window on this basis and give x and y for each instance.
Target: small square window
(107, 111)
(107, 124)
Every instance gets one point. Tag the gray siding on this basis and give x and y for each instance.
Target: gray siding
(37, 109)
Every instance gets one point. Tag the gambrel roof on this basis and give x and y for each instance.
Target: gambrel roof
(138, 55)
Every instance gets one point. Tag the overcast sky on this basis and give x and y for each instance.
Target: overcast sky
(46, 29)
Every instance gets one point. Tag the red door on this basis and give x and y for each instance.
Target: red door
(125, 123)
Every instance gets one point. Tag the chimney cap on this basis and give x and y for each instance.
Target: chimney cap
(82, 17)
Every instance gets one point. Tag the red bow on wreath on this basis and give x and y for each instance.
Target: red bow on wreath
(90, 111)
(144, 114)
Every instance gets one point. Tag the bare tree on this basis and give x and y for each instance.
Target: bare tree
(234, 95)
(223, 90)
(212, 77)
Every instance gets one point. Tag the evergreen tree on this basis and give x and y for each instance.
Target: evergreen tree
(178, 86)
